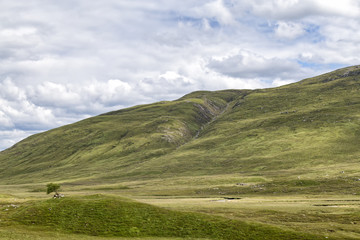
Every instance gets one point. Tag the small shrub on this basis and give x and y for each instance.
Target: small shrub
(52, 187)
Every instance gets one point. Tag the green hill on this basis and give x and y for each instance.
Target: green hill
(310, 128)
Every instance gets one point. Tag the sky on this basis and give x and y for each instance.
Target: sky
(63, 61)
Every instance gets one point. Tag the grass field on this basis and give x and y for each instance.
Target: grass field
(335, 216)
(109, 216)
(278, 216)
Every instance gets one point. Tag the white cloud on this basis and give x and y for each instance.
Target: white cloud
(17, 33)
(110, 93)
(17, 111)
(289, 30)
(5, 120)
(216, 9)
(10, 137)
(279, 82)
(345, 8)
(11, 92)
(94, 97)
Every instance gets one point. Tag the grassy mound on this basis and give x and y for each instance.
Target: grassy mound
(109, 216)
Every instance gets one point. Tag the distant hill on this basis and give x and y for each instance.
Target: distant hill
(312, 126)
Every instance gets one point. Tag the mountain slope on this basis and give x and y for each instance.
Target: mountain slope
(303, 125)
(114, 141)
(309, 126)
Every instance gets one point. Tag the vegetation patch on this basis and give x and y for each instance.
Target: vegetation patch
(110, 216)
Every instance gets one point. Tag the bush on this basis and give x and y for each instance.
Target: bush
(52, 187)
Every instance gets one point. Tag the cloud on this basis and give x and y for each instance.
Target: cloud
(246, 64)
(289, 30)
(279, 82)
(345, 8)
(299, 9)
(10, 137)
(214, 10)
(16, 111)
(76, 100)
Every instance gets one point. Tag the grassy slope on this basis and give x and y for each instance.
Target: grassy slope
(100, 215)
(300, 125)
(308, 127)
(116, 141)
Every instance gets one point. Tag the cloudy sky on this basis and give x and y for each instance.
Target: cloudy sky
(62, 61)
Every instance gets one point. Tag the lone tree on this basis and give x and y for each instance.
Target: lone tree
(53, 187)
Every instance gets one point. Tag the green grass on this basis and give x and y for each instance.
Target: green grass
(38, 233)
(331, 216)
(99, 215)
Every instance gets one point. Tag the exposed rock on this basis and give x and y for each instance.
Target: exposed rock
(58, 195)
(351, 73)
(241, 184)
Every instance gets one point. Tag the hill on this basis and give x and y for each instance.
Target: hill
(308, 129)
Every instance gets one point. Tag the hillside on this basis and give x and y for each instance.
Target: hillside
(308, 127)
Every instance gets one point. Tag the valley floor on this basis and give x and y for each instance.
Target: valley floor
(332, 216)
(328, 216)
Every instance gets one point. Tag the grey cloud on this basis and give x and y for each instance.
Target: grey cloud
(246, 64)
(10, 137)
(292, 10)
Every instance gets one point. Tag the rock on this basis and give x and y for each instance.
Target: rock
(58, 195)
(241, 184)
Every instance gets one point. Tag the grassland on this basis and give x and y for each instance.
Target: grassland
(277, 163)
(167, 210)
(101, 215)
